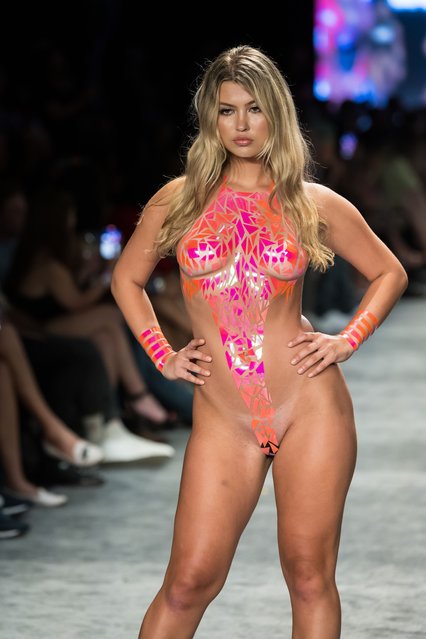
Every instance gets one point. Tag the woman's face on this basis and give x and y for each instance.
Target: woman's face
(241, 124)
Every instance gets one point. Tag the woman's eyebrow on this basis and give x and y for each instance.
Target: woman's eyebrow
(233, 105)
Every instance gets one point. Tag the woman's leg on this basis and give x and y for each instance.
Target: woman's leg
(312, 472)
(220, 487)
(56, 432)
(104, 325)
(10, 447)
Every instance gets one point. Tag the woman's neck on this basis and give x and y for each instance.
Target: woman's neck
(247, 175)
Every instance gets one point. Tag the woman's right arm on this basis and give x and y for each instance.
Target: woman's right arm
(137, 262)
(130, 276)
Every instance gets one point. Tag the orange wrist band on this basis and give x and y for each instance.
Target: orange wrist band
(156, 346)
(359, 329)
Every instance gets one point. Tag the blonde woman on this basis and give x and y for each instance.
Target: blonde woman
(245, 222)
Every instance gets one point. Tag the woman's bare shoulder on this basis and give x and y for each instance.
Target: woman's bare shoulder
(318, 192)
(325, 199)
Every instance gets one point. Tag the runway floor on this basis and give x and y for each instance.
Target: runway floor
(89, 570)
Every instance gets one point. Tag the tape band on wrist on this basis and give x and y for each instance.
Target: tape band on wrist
(359, 329)
(156, 346)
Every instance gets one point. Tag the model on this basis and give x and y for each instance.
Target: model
(245, 221)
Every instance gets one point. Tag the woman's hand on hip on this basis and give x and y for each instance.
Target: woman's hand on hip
(180, 365)
(319, 351)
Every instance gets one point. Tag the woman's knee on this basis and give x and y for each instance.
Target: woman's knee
(192, 586)
(308, 579)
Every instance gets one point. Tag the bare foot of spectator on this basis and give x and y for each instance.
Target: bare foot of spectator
(146, 405)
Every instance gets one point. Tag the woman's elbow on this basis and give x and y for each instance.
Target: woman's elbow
(402, 278)
(124, 283)
(115, 281)
(114, 285)
(118, 284)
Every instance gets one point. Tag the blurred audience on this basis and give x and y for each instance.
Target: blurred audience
(43, 284)
(17, 381)
(385, 186)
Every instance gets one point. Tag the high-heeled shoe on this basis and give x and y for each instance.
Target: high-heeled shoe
(84, 453)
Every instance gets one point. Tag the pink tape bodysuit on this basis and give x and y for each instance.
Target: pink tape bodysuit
(237, 258)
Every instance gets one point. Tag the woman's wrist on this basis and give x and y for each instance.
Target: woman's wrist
(359, 329)
(156, 346)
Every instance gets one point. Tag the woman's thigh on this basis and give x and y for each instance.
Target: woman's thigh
(219, 489)
(312, 473)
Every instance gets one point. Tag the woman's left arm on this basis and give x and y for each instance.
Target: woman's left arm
(349, 236)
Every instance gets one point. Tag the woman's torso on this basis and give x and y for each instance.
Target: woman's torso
(242, 271)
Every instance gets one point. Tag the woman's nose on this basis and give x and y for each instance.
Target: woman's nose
(242, 122)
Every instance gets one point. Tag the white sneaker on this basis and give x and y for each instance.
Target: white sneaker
(50, 500)
(120, 445)
(42, 497)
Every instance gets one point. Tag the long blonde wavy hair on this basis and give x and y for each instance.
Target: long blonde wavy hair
(285, 155)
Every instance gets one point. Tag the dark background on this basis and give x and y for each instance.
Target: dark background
(134, 69)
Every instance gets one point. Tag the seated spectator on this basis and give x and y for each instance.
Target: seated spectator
(70, 370)
(41, 283)
(386, 189)
(75, 382)
(17, 380)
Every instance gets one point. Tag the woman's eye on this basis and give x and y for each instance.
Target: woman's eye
(229, 111)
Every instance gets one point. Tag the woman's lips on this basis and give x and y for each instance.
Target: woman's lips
(243, 141)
